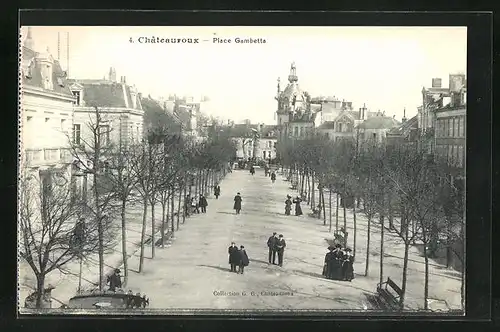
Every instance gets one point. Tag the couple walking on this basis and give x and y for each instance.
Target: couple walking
(288, 205)
(276, 245)
(237, 257)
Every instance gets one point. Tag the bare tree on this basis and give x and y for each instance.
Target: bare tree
(91, 153)
(52, 234)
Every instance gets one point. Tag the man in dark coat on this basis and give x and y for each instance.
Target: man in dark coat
(280, 245)
(244, 261)
(338, 256)
(252, 170)
(115, 280)
(234, 256)
(298, 209)
(271, 244)
(237, 203)
(187, 205)
(288, 205)
(203, 204)
(217, 192)
(273, 176)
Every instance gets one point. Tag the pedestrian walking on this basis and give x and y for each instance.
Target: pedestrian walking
(252, 170)
(347, 265)
(329, 266)
(337, 259)
(280, 245)
(288, 205)
(266, 170)
(194, 205)
(217, 191)
(298, 209)
(244, 261)
(272, 245)
(114, 280)
(273, 177)
(234, 256)
(187, 205)
(237, 203)
(203, 204)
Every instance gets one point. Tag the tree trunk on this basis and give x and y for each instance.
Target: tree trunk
(381, 279)
(172, 208)
(337, 214)
(426, 275)
(124, 243)
(179, 205)
(344, 210)
(355, 230)
(330, 208)
(405, 261)
(184, 187)
(143, 232)
(153, 230)
(163, 210)
(368, 246)
(313, 196)
(308, 188)
(40, 289)
(100, 232)
(323, 205)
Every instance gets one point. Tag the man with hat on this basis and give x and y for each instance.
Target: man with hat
(271, 244)
(114, 280)
(237, 203)
(337, 258)
(234, 256)
(280, 245)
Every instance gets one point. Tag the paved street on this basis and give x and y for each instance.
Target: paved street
(186, 274)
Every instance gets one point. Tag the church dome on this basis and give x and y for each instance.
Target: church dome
(292, 93)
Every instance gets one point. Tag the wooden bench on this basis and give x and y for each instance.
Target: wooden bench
(392, 301)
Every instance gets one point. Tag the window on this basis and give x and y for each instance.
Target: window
(461, 155)
(76, 94)
(46, 193)
(455, 127)
(374, 135)
(301, 131)
(450, 127)
(339, 127)
(264, 154)
(445, 128)
(461, 131)
(295, 131)
(76, 134)
(104, 135)
(270, 144)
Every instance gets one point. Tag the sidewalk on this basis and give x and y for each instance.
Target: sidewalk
(444, 283)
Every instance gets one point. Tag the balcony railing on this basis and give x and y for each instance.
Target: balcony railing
(38, 157)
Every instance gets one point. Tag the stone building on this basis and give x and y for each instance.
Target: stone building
(375, 128)
(46, 116)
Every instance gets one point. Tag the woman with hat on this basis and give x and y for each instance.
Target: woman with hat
(298, 209)
(328, 266)
(288, 205)
(347, 265)
(337, 258)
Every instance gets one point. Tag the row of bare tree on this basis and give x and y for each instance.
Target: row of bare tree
(60, 223)
(402, 184)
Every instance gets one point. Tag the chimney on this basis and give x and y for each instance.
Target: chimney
(125, 79)
(436, 83)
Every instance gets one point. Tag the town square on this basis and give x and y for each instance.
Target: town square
(212, 176)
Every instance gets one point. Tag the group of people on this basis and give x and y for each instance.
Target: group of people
(268, 172)
(237, 258)
(288, 205)
(191, 204)
(339, 263)
(276, 244)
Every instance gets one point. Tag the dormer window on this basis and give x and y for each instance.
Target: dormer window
(60, 82)
(77, 96)
(47, 76)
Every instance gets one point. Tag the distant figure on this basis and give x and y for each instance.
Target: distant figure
(114, 280)
(328, 268)
(203, 204)
(217, 192)
(273, 177)
(271, 244)
(194, 205)
(237, 203)
(244, 261)
(266, 170)
(280, 245)
(187, 205)
(288, 205)
(347, 265)
(252, 170)
(234, 258)
(298, 209)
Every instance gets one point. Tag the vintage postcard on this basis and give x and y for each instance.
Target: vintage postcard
(221, 170)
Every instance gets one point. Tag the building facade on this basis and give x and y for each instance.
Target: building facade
(46, 116)
(375, 129)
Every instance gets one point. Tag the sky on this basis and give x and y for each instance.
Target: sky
(382, 67)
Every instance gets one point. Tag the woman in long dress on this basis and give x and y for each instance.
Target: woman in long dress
(298, 209)
(288, 205)
(237, 203)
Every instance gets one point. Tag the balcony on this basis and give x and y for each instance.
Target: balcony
(39, 157)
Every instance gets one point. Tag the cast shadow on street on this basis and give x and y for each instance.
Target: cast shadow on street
(216, 267)
(225, 212)
(336, 282)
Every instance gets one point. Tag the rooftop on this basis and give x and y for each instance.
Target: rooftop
(379, 122)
